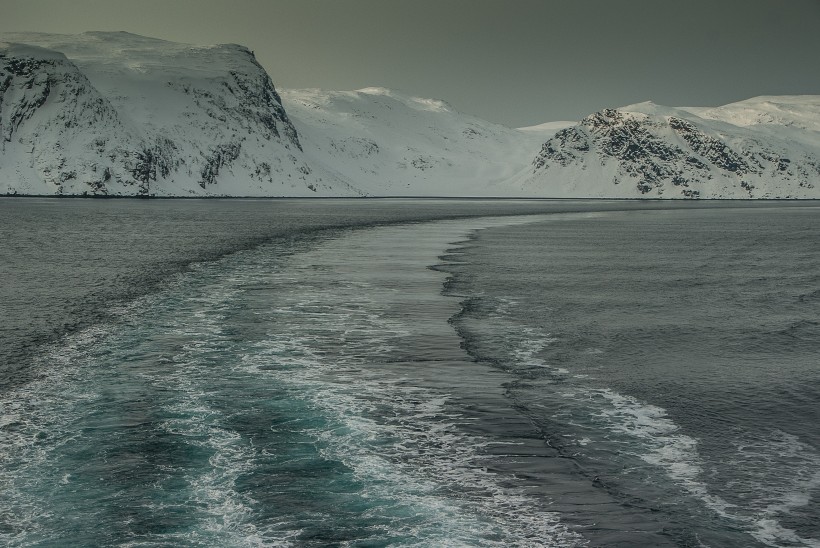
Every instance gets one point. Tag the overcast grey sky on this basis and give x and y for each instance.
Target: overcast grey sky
(517, 62)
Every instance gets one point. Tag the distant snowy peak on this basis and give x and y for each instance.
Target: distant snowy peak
(796, 111)
(116, 113)
(417, 103)
(647, 150)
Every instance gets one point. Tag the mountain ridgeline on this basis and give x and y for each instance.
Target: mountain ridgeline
(116, 114)
(653, 151)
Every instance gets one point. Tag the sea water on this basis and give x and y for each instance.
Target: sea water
(671, 356)
(320, 373)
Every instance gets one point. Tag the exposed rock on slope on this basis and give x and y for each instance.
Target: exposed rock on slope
(651, 151)
(59, 134)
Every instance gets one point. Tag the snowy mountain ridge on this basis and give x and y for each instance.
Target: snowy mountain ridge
(760, 148)
(388, 143)
(112, 113)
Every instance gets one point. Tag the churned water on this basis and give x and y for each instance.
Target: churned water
(355, 373)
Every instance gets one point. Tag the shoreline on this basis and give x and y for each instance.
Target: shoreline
(407, 197)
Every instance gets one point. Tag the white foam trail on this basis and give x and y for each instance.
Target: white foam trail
(404, 442)
(36, 422)
(442, 478)
(663, 445)
(48, 414)
(419, 460)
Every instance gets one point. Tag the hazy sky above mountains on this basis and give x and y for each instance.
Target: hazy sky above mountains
(517, 62)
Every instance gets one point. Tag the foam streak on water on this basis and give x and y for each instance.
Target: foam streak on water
(622, 425)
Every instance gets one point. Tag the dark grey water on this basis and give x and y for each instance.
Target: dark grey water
(219, 373)
(672, 356)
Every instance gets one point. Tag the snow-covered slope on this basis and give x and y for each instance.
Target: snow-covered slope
(120, 114)
(112, 113)
(389, 143)
(59, 134)
(765, 147)
(795, 111)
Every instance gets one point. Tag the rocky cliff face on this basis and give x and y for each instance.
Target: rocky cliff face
(59, 134)
(652, 151)
(119, 114)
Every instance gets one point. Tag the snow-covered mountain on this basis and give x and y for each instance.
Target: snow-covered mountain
(120, 114)
(111, 113)
(765, 147)
(388, 143)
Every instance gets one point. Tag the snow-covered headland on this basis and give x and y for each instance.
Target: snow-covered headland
(118, 114)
